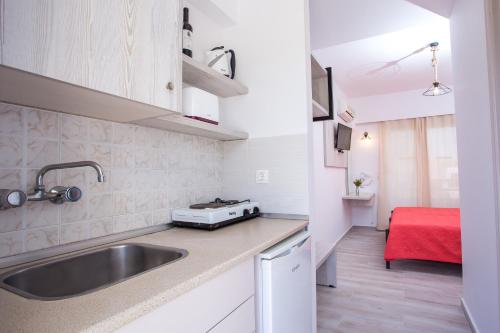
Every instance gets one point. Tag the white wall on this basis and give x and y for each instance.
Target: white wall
(270, 45)
(479, 214)
(332, 215)
(401, 105)
(363, 158)
(275, 111)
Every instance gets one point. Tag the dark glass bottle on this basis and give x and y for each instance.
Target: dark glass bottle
(187, 35)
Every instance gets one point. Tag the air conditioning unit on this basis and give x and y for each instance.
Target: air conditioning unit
(348, 115)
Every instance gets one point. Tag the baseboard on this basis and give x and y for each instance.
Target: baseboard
(468, 316)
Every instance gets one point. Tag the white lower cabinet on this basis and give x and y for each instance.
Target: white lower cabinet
(241, 320)
(223, 304)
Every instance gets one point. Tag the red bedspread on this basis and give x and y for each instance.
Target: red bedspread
(425, 234)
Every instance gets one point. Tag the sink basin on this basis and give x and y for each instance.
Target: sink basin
(87, 272)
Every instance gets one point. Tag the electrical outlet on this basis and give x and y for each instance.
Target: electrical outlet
(262, 176)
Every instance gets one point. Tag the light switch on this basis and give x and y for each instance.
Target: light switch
(262, 176)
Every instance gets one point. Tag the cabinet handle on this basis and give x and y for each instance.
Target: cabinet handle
(170, 86)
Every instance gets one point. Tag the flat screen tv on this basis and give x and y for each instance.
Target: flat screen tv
(343, 138)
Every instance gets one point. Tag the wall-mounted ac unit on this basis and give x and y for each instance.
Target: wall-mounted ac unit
(348, 115)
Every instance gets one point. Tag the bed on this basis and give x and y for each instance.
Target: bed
(424, 234)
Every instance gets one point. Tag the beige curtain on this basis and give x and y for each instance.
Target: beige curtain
(443, 162)
(417, 165)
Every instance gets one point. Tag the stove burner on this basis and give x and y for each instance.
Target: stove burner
(217, 203)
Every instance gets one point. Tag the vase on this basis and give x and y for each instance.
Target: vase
(357, 190)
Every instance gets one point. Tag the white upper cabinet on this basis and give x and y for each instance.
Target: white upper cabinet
(127, 48)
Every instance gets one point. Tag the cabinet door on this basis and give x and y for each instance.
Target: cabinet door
(241, 320)
(128, 48)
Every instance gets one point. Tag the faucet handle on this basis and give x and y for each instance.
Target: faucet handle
(61, 194)
(11, 198)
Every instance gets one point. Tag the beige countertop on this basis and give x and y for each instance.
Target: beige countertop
(210, 254)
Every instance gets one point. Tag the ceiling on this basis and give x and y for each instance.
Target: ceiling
(441, 7)
(363, 40)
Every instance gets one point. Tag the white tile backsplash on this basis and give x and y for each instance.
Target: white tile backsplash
(148, 172)
(284, 157)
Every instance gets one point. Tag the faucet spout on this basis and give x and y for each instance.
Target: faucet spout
(96, 166)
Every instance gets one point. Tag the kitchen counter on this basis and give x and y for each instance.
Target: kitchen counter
(210, 254)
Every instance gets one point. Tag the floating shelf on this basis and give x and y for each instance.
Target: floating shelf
(179, 123)
(201, 76)
(360, 197)
(319, 110)
(317, 71)
(33, 90)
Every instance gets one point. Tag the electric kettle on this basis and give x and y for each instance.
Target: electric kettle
(221, 60)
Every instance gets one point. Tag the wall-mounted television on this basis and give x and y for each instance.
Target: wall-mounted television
(343, 138)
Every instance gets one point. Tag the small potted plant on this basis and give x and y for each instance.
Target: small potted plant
(357, 182)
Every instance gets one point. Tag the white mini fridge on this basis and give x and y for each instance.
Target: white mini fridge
(284, 286)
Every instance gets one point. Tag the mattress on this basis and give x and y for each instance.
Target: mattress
(424, 234)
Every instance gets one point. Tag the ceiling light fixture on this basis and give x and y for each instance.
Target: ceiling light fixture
(366, 136)
(437, 88)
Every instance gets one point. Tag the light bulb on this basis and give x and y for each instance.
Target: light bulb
(435, 91)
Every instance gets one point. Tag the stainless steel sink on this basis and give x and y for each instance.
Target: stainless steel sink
(88, 271)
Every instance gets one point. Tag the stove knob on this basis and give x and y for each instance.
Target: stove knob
(246, 212)
(256, 210)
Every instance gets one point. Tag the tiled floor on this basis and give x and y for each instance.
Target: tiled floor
(411, 297)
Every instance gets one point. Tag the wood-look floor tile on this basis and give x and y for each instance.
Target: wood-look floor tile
(411, 297)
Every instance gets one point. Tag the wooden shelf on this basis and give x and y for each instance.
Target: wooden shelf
(319, 110)
(317, 71)
(201, 76)
(33, 90)
(179, 123)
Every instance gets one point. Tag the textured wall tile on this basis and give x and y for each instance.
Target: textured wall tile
(123, 223)
(11, 121)
(74, 232)
(100, 154)
(161, 216)
(122, 180)
(143, 201)
(123, 134)
(123, 203)
(74, 177)
(11, 220)
(171, 170)
(11, 243)
(42, 238)
(11, 151)
(42, 124)
(143, 220)
(123, 157)
(94, 186)
(100, 131)
(144, 158)
(41, 213)
(10, 178)
(101, 227)
(143, 137)
(74, 128)
(74, 211)
(41, 152)
(73, 151)
(161, 200)
(100, 205)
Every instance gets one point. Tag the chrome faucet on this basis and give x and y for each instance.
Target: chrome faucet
(61, 194)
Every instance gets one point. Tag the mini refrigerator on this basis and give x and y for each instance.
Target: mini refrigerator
(284, 286)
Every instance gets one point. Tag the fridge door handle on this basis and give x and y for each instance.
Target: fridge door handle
(290, 250)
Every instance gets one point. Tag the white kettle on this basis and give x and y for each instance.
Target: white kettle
(223, 61)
